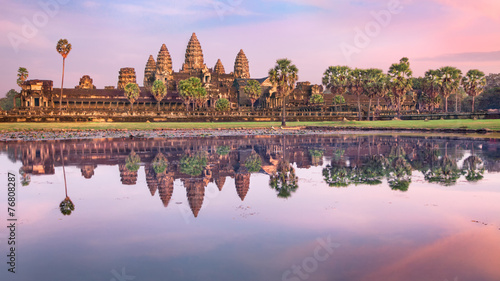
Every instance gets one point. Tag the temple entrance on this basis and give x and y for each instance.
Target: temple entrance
(37, 101)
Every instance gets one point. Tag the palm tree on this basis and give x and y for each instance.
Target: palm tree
(132, 93)
(400, 82)
(63, 48)
(431, 86)
(159, 91)
(450, 81)
(283, 76)
(473, 83)
(374, 84)
(22, 75)
(253, 91)
(336, 79)
(356, 85)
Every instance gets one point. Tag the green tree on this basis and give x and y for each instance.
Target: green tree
(7, 103)
(192, 89)
(375, 83)
(336, 78)
(283, 76)
(253, 91)
(337, 174)
(222, 104)
(253, 163)
(223, 150)
(22, 75)
(338, 101)
(450, 82)
(284, 180)
(316, 99)
(400, 82)
(193, 165)
(159, 91)
(63, 48)
(473, 83)
(132, 92)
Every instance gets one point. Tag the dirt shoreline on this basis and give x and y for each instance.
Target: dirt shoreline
(51, 134)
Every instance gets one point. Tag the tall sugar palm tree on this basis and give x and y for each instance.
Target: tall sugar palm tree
(22, 75)
(356, 83)
(431, 87)
(63, 48)
(450, 81)
(473, 83)
(374, 84)
(400, 82)
(283, 76)
(159, 91)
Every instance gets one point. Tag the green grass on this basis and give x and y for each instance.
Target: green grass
(493, 124)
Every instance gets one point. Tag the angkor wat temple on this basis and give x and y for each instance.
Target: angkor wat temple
(216, 80)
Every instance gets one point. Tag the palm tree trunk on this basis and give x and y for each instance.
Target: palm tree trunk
(473, 109)
(283, 120)
(399, 107)
(456, 102)
(64, 173)
(359, 109)
(62, 83)
(446, 105)
(369, 107)
(158, 106)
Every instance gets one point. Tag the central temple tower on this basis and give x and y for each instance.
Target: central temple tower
(194, 56)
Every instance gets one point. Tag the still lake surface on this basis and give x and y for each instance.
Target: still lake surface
(348, 207)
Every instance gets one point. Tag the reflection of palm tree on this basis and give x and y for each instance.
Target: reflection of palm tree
(253, 163)
(374, 170)
(284, 180)
(473, 169)
(316, 157)
(66, 206)
(446, 172)
(399, 172)
(337, 175)
(193, 165)
(25, 177)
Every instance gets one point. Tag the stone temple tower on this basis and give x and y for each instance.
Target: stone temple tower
(163, 64)
(219, 68)
(194, 56)
(149, 72)
(126, 75)
(241, 68)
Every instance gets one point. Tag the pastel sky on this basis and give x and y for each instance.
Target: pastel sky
(314, 34)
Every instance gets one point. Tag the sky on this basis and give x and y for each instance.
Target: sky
(110, 34)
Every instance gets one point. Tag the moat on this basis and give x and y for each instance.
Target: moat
(290, 207)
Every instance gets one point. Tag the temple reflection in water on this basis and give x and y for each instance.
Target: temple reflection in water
(196, 162)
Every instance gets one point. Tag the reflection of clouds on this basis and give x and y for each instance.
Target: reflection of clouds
(461, 255)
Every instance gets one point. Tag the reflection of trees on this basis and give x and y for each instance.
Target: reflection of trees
(253, 163)
(337, 174)
(132, 162)
(473, 169)
(25, 177)
(373, 171)
(445, 172)
(160, 163)
(399, 170)
(193, 165)
(284, 180)
(316, 157)
(223, 150)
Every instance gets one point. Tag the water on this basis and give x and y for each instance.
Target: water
(255, 208)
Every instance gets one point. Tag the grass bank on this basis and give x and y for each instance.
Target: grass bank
(490, 124)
